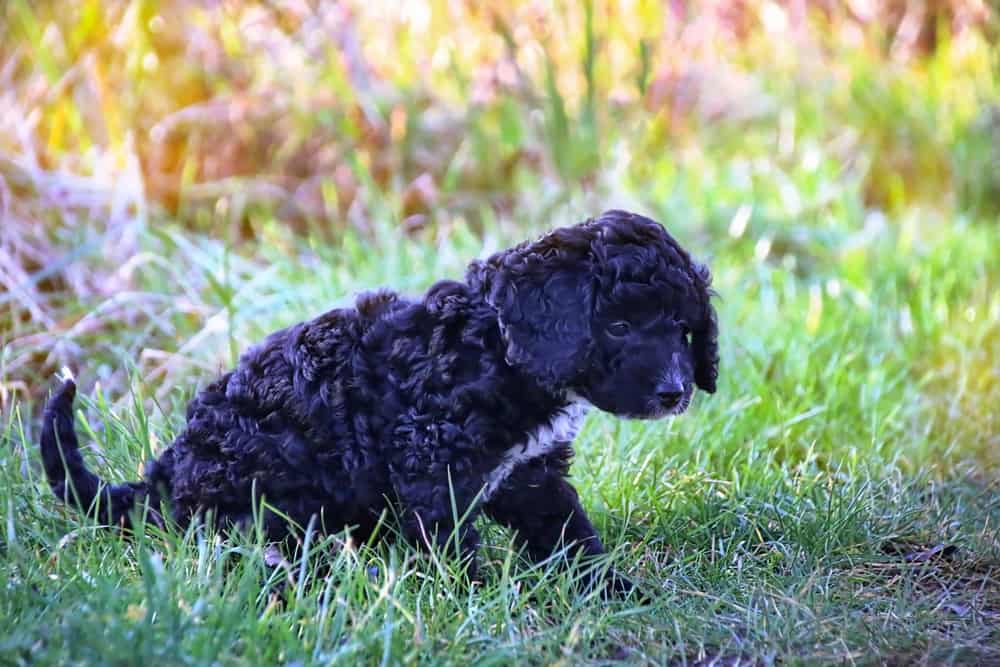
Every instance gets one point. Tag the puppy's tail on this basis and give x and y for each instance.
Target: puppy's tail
(69, 477)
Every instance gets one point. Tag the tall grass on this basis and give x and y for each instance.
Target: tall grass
(178, 179)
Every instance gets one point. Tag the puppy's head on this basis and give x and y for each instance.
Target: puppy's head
(612, 310)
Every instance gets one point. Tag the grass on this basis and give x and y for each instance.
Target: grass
(835, 502)
(821, 507)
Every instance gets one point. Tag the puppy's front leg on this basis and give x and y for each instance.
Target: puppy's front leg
(539, 503)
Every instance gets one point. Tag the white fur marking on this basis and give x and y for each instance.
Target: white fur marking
(562, 428)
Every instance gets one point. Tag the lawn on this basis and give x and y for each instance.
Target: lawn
(176, 181)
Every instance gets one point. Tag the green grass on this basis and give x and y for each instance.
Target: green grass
(835, 502)
(822, 506)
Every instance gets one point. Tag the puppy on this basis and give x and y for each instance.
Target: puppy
(471, 395)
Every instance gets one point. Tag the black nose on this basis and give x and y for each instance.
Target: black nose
(669, 393)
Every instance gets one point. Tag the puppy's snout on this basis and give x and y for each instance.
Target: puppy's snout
(670, 393)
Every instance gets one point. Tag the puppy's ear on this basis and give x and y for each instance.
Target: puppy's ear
(704, 343)
(544, 304)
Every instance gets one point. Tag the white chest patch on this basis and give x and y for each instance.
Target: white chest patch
(562, 428)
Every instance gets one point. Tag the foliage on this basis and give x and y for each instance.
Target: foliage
(179, 178)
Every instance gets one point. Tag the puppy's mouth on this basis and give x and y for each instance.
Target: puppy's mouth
(659, 408)
(655, 408)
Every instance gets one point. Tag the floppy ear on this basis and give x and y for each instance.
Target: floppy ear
(544, 313)
(705, 347)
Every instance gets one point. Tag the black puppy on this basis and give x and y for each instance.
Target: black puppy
(472, 394)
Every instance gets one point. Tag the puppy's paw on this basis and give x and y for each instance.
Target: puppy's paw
(615, 586)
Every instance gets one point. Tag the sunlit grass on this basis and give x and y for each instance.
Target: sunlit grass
(177, 180)
(801, 511)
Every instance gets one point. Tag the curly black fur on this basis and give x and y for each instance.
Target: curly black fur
(472, 393)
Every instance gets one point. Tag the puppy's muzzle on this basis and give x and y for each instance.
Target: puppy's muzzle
(670, 393)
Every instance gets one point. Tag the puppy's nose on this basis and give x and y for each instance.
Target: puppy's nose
(670, 393)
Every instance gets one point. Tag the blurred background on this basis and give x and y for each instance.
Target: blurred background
(178, 178)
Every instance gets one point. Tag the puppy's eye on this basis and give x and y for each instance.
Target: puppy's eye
(619, 328)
